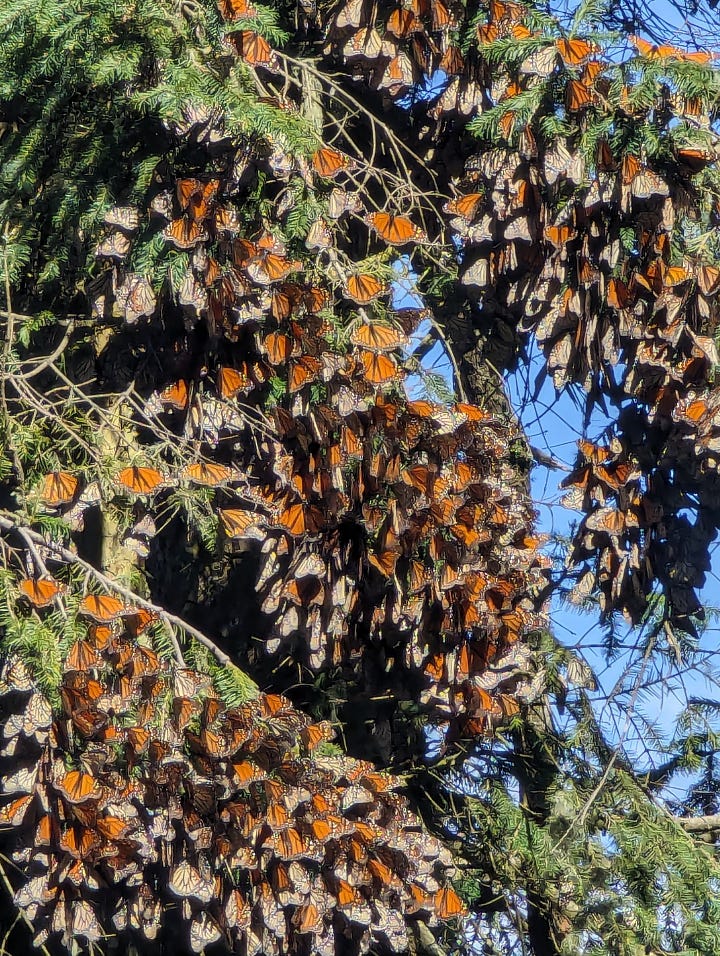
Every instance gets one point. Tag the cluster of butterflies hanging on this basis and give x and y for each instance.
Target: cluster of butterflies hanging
(578, 244)
(145, 793)
(379, 522)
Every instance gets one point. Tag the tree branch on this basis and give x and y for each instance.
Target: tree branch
(9, 523)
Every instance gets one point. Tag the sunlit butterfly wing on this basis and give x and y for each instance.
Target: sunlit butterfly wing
(395, 230)
(58, 488)
(363, 288)
(140, 480)
(102, 607)
(40, 592)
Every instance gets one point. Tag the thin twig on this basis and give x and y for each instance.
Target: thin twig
(9, 522)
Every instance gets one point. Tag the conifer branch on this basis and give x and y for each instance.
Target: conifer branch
(9, 522)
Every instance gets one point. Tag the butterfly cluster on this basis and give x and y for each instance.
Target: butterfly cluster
(573, 240)
(145, 793)
(379, 522)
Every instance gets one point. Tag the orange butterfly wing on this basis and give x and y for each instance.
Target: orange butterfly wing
(278, 347)
(395, 230)
(577, 96)
(230, 381)
(40, 592)
(102, 607)
(175, 396)
(208, 473)
(58, 488)
(236, 9)
(363, 288)
(378, 369)
(328, 163)
(378, 337)
(574, 51)
(448, 904)
(140, 481)
(78, 787)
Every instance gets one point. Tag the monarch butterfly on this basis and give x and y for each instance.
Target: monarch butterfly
(329, 163)
(385, 561)
(577, 96)
(365, 44)
(396, 230)
(15, 677)
(230, 381)
(442, 19)
(58, 488)
(363, 288)
(399, 73)
(618, 294)
(675, 275)
(378, 337)
(708, 279)
(81, 657)
(227, 221)
(355, 795)
(319, 236)
(78, 841)
(464, 206)
(236, 9)
(403, 23)
(378, 369)
(695, 159)
(653, 51)
(196, 197)
(115, 246)
(136, 298)
(254, 49)
(574, 51)
(185, 881)
(123, 217)
(559, 235)
(341, 202)
(40, 592)
(308, 919)
(185, 233)
(611, 520)
(288, 844)
(209, 474)
(203, 931)
(350, 14)
(303, 371)
(175, 396)
(452, 61)
(276, 817)
(238, 523)
(448, 904)
(330, 827)
(78, 787)
(298, 519)
(269, 267)
(140, 480)
(315, 734)
(648, 185)
(381, 871)
(278, 347)
(102, 607)
(314, 300)
(487, 33)
(112, 828)
(541, 63)
(15, 812)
